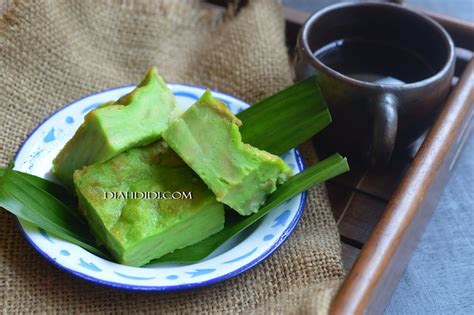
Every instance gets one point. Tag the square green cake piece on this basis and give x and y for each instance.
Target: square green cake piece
(207, 138)
(136, 119)
(138, 204)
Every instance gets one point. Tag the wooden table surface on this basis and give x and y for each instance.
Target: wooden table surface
(440, 276)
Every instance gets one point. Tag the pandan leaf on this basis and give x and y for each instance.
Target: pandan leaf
(316, 174)
(286, 119)
(38, 201)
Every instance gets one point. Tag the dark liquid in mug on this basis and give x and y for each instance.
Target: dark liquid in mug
(374, 61)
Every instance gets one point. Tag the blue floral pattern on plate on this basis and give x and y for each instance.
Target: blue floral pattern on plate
(236, 256)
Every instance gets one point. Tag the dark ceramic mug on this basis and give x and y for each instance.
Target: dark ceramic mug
(372, 118)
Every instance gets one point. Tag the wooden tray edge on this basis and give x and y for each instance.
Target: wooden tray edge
(376, 272)
(382, 260)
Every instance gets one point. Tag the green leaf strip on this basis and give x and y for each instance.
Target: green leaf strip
(37, 201)
(286, 119)
(314, 175)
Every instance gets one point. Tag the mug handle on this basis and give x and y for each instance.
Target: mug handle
(385, 123)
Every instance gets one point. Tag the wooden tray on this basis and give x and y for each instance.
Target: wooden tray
(382, 214)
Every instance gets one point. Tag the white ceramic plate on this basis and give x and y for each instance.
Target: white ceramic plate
(234, 257)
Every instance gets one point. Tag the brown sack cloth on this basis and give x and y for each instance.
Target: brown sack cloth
(53, 52)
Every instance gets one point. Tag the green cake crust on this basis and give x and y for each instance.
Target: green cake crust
(207, 138)
(138, 230)
(136, 119)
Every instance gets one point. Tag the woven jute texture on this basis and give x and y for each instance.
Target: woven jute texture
(53, 52)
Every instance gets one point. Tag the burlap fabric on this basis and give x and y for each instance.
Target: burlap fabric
(52, 52)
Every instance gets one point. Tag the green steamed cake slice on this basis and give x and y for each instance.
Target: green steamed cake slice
(136, 119)
(207, 138)
(137, 230)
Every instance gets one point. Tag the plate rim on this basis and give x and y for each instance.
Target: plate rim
(179, 287)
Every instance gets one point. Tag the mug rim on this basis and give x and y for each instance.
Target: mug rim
(304, 33)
